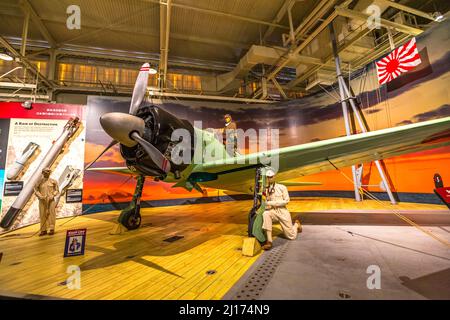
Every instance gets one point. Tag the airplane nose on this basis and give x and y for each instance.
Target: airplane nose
(120, 126)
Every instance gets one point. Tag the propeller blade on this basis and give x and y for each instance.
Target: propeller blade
(140, 88)
(157, 157)
(113, 143)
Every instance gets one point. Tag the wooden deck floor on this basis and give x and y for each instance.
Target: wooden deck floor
(139, 264)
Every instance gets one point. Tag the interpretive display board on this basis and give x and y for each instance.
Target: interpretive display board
(47, 135)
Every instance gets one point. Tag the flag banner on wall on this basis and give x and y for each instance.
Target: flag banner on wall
(401, 60)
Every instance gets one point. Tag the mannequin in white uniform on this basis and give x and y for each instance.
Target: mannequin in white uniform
(277, 197)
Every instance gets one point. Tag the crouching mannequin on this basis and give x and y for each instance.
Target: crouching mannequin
(277, 197)
(46, 191)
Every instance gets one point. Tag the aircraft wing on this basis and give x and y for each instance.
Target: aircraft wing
(310, 158)
(300, 183)
(115, 170)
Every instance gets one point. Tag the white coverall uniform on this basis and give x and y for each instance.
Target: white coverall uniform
(278, 212)
(46, 191)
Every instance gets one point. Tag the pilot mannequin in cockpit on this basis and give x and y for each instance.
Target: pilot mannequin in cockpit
(230, 136)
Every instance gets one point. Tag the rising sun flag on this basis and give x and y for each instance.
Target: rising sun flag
(401, 60)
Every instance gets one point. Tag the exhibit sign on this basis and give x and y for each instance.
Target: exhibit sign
(47, 135)
(75, 242)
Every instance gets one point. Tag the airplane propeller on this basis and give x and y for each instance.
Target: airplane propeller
(140, 87)
(128, 129)
(157, 157)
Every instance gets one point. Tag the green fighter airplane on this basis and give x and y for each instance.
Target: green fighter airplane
(149, 138)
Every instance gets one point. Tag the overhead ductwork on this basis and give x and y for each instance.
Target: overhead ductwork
(256, 55)
(356, 41)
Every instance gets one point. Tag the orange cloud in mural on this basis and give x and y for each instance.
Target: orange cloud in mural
(94, 149)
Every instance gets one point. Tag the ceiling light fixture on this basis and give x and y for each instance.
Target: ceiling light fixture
(438, 16)
(5, 56)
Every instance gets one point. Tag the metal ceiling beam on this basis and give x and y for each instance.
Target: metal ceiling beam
(157, 94)
(178, 36)
(280, 14)
(52, 64)
(291, 25)
(16, 85)
(329, 58)
(26, 22)
(26, 7)
(318, 11)
(120, 55)
(37, 52)
(376, 53)
(24, 61)
(9, 72)
(208, 97)
(352, 14)
(221, 14)
(120, 21)
(295, 51)
(20, 97)
(295, 60)
(407, 9)
(167, 38)
(203, 64)
(279, 88)
(339, 11)
(225, 43)
(165, 15)
(356, 64)
(162, 34)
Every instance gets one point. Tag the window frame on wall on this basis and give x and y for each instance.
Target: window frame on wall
(97, 75)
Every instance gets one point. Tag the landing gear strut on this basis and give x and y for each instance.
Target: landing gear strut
(255, 216)
(130, 217)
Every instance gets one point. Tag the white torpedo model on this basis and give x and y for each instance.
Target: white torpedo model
(20, 162)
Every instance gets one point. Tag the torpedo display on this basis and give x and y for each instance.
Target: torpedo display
(20, 162)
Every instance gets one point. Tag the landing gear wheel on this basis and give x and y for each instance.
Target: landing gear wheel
(130, 219)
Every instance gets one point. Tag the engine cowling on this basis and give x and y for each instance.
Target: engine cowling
(158, 129)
